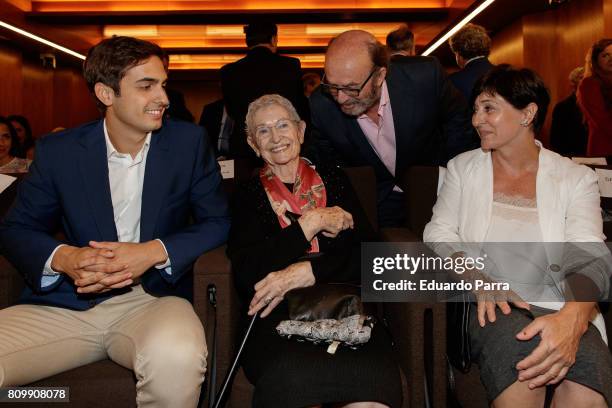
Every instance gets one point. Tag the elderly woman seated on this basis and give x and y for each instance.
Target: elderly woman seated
(267, 251)
(514, 190)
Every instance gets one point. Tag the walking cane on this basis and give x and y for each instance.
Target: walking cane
(234, 366)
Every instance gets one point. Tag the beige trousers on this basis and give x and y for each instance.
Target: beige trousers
(160, 339)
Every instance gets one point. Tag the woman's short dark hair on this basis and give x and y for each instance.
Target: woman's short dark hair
(28, 141)
(109, 60)
(518, 86)
(15, 145)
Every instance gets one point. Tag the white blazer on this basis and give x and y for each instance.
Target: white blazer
(567, 196)
(568, 205)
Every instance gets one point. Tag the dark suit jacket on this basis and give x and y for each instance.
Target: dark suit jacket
(261, 72)
(568, 132)
(212, 115)
(429, 116)
(466, 78)
(68, 185)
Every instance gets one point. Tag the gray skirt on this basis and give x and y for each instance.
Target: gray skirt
(497, 352)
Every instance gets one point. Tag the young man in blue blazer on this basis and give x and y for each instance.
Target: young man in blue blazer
(138, 200)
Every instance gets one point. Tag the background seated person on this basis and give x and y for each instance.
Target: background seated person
(514, 190)
(24, 134)
(595, 97)
(9, 148)
(265, 248)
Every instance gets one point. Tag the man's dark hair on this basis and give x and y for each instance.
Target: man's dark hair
(401, 39)
(519, 87)
(109, 60)
(15, 145)
(260, 33)
(471, 41)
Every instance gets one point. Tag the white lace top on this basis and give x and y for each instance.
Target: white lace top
(525, 266)
(514, 219)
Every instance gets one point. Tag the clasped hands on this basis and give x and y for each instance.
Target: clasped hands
(103, 266)
(329, 221)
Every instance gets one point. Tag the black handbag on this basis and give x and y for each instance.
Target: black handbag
(329, 313)
(324, 301)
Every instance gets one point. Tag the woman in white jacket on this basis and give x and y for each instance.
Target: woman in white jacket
(514, 190)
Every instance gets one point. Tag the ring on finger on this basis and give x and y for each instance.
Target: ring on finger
(268, 300)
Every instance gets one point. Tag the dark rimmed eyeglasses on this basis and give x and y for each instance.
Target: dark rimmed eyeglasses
(348, 91)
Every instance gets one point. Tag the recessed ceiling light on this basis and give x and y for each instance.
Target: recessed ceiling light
(458, 27)
(41, 40)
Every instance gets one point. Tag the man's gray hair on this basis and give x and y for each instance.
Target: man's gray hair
(576, 75)
(264, 102)
(471, 41)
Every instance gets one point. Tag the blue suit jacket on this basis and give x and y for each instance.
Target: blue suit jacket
(68, 186)
(465, 79)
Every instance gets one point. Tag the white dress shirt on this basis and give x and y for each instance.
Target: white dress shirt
(126, 178)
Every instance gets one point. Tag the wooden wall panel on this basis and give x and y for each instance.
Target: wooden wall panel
(541, 53)
(553, 43)
(579, 25)
(38, 98)
(72, 103)
(83, 105)
(63, 100)
(507, 47)
(10, 72)
(47, 97)
(607, 18)
(575, 27)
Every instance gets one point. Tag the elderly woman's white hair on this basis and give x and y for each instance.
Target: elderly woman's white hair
(264, 102)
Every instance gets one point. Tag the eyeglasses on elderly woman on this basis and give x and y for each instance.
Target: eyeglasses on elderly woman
(281, 126)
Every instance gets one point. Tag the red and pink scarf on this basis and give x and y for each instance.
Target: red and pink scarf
(308, 193)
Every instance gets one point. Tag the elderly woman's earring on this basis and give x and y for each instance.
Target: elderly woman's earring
(525, 123)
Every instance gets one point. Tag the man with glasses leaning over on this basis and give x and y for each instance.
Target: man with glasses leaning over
(369, 112)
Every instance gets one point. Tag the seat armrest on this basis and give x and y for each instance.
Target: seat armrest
(213, 262)
(419, 335)
(213, 270)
